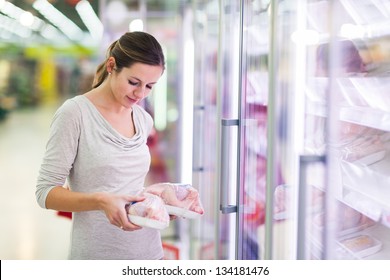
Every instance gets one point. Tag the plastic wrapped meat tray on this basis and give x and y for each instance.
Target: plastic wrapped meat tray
(150, 212)
(361, 245)
(181, 200)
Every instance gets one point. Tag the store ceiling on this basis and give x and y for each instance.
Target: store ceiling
(53, 22)
(67, 7)
(57, 30)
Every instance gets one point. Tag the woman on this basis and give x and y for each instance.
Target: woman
(98, 142)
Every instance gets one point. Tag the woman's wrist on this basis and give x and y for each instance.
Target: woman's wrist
(100, 200)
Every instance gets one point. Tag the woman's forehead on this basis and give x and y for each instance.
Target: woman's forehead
(144, 72)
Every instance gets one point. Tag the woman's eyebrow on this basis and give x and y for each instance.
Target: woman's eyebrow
(141, 80)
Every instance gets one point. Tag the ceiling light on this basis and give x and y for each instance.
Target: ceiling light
(26, 19)
(136, 25)
(11, 10)
(90, 19)
(58, 19)
(116, 12)
(14, 27)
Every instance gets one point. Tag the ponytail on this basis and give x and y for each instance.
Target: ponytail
(101, 71)
(100, 75)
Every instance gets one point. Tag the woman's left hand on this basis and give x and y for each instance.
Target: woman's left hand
(114, 207)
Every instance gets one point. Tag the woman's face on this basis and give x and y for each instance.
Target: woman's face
(131, 85)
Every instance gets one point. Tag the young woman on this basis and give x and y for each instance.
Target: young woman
(98, 142)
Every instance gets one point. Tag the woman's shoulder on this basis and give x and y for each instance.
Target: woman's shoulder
(73, 104)
(70, 108)
(144, 116)
(141, 112)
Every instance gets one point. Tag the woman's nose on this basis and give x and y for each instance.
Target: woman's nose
(140, 92)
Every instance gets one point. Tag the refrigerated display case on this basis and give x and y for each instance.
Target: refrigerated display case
(346, 84)
(227, 155)
(298, 147)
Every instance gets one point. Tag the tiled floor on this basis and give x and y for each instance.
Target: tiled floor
(27, 231)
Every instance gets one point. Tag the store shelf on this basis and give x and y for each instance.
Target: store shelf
(358, 115)
(381, 234)
(381, 250)
(364, 100)
(372, 181)
(366, 116)
(366, 187)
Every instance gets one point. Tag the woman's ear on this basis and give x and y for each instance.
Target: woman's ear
(110, 64)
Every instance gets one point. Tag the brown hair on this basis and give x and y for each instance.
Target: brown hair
(130, 48)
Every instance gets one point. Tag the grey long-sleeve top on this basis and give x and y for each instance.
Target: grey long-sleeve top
(87, 150)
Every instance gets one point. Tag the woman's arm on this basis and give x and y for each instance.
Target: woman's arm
(113, 205)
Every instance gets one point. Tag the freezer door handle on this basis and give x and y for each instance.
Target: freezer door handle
(304, 162)
(227, 164)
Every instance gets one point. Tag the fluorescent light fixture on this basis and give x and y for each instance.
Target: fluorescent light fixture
(51, 33)
(10, 10)
(58, 19)
(136, 25)
(13, 26)
(90, 19)
(26, 19)
(116, 12)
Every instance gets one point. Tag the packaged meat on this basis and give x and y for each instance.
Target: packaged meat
(349, 221)
(181, 200)
(364, 150)
(150, 212)
(361, 245)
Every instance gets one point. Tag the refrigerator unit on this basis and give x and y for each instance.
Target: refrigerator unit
(292, 129)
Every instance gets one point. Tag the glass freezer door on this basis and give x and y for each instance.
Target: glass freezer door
(228, 116)
(253, 83)
(347, 120)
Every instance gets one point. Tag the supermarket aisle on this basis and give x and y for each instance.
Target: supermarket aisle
(27, 231)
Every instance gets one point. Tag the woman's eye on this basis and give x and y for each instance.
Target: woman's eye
(133, 83)
(149, 87)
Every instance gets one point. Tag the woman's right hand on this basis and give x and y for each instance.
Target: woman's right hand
(115, 208)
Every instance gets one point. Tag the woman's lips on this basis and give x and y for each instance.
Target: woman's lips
(132, 100)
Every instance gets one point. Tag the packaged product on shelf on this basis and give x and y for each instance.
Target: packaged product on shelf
(364, 204)
(353, 221)
(361, 245)
(349, 221)
(362, 145)
(365, 150)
